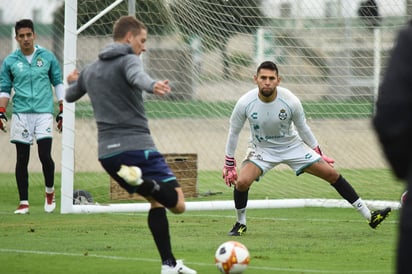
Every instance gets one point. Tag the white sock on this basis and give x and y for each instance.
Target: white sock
(50, 189)
(241, 215)
(24, 202)
(360, 206)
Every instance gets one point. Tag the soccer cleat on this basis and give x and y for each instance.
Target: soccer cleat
(238, 230)
(22, 209)
(180, 268)
(49, 202)
(378, 216)
(131, 174)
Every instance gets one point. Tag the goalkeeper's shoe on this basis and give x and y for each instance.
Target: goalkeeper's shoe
(49, 202)
(238, 230)
(179, 268)
(131, 174)
(378, 216)
(22, 209)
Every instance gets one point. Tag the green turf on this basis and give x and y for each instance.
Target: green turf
(162, 109)
(298, 240)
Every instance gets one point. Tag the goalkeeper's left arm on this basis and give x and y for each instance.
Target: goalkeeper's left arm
(309, 139)
(307, 135)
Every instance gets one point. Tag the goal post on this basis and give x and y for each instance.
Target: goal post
(209, 51)
(68, 136)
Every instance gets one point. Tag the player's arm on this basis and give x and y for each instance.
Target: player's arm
(306, 133)
(5, 91)
(4, 100)
(299, 120)
(237, 120)
(137, 77)
(75, 90)
(59, 90)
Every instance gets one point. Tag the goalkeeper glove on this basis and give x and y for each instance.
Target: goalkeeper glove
(59, 118)
(3, 119)
(229, 171)
(327, 159)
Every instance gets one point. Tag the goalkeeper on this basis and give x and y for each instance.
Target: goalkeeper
(115, 84)
(279, 134)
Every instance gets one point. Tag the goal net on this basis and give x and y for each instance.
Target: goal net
(331, 54)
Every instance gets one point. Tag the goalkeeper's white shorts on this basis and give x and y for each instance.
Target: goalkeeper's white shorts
(298, 157)
(25, 127)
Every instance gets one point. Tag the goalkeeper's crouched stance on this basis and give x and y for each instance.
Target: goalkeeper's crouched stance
(279, 135)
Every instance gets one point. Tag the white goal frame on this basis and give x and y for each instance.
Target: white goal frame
(68, 141)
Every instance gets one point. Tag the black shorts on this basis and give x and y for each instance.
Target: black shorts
(151, 162)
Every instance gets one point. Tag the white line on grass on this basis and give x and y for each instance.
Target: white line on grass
(282, 270)
(232, 216)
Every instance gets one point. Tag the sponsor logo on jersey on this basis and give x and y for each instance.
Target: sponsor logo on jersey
(113, 146)
(20, 66)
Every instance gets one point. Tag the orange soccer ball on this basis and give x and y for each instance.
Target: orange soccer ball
(232, 258)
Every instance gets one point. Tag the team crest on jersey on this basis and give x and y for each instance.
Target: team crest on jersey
(282, 114)
(39, 62)
(25, 134)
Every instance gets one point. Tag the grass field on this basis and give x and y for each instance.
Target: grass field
(298, 240)
(160, 109)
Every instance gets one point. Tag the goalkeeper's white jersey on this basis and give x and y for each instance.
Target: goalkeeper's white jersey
(276, 124)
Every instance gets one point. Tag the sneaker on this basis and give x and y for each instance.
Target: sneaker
(49, 202)
(180, 268)
(22, 209)
(238, 230)
(131, 174)
(378, 216)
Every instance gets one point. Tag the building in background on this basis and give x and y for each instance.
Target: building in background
(40, 11)
(327, 8)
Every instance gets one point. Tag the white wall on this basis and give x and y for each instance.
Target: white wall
(14, 10)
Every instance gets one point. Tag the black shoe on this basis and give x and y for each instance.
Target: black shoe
(378, 216)
(238, 230)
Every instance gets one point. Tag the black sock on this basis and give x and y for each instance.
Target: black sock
(159, 226)
(345, 190)
(21, 171)
(164, 193)
(240, 198)
(44, 147)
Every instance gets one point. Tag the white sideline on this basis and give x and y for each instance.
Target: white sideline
(270, 269)
(228, 204)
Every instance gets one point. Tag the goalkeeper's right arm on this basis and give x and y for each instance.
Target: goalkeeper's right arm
(229, 173)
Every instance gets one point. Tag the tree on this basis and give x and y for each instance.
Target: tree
(153, 13)
(216, 21)
(369, 13)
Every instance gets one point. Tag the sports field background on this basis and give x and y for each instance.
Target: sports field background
(351, 142)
